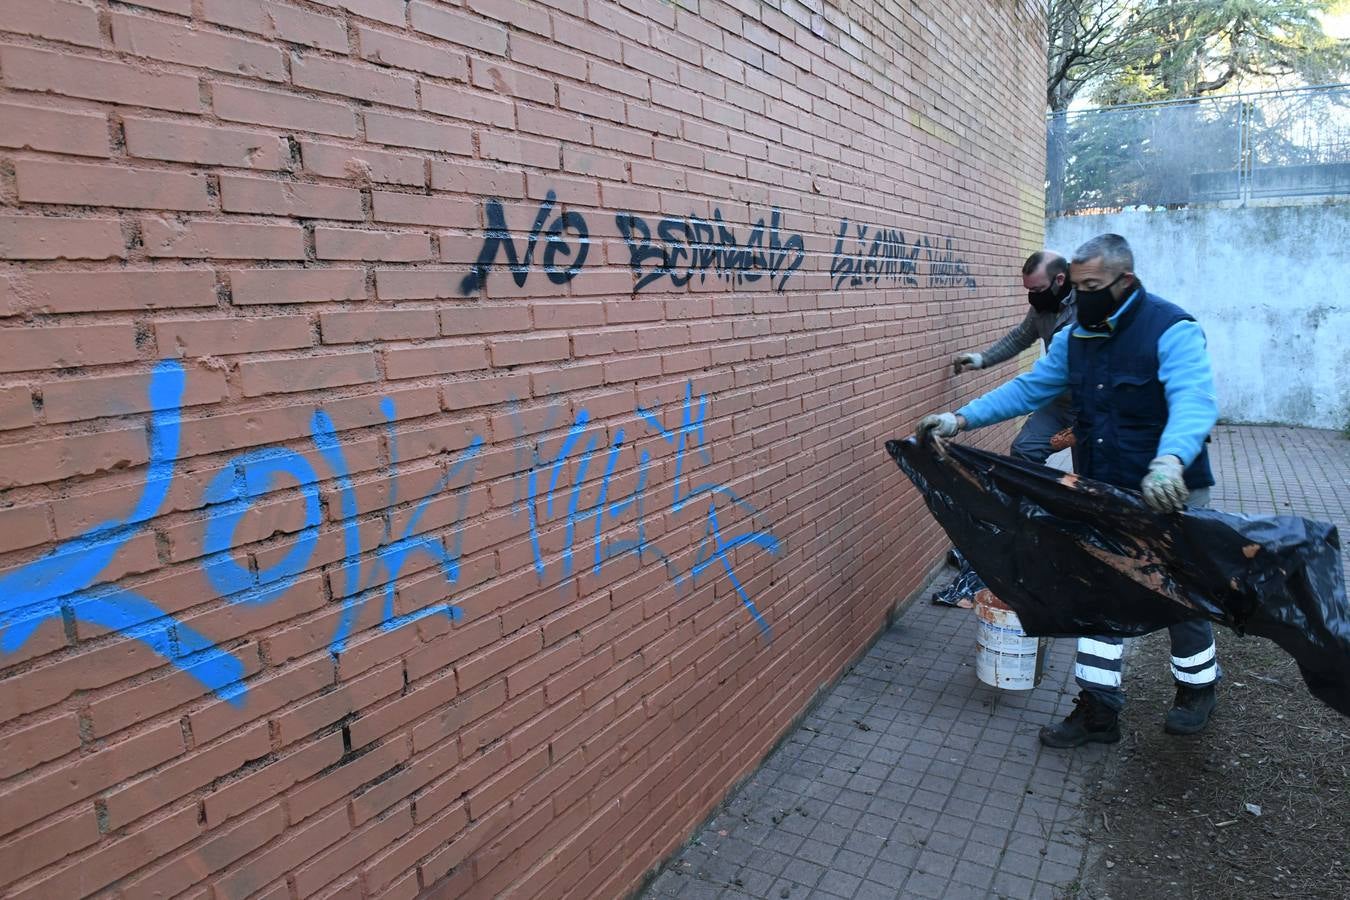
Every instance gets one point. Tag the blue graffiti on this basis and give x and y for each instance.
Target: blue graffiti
(391, 555)
(246, 477)
(713, 550)
(60, 585)
(64, 584)
(253, 473)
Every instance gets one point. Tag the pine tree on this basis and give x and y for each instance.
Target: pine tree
(1125, 51)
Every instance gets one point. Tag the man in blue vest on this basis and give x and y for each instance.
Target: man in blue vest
(1142, 392)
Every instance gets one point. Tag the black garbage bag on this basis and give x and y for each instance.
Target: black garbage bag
(1073, 557)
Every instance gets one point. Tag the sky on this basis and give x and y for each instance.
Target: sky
(1337, 25)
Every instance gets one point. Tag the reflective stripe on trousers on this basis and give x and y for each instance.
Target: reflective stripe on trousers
(1100, 663)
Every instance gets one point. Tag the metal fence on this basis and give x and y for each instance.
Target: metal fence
(1293, 143)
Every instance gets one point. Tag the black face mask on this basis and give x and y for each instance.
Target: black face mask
(1049, 299)
(1095, 307)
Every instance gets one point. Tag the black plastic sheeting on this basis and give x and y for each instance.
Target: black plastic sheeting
(963, 588)
(1073, 557)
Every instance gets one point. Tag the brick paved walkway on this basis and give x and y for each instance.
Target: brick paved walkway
(1290, 471)
(912, 779)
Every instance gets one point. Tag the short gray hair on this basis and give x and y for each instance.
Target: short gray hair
(1113, 250)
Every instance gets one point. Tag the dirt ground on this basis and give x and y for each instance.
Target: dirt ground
(1257, 806)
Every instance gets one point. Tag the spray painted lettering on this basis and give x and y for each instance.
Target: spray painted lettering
(562, 259)
(885, 256)
(61, 586)
(693, 246)
(687, 248)
(714, 550)
(945, 268)
(889, 257)
(64, 586)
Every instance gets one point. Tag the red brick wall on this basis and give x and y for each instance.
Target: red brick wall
(441, 443)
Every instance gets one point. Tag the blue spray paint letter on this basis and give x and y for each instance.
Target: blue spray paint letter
(251, 475)
(391, 554)
(62, 585)
(713, 550)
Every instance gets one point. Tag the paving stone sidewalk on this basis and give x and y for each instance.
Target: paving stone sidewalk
(913, 779)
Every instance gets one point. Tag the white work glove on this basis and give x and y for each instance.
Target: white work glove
(1164, 488)
(963, 361)
(942, 425)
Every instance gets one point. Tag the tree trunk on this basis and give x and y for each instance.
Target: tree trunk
(1056, 143)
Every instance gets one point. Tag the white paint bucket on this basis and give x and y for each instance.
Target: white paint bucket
(1005, 657)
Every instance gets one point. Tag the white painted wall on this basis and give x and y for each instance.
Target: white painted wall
(1270, 286)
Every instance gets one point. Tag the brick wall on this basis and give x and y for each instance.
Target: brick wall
(441, 442)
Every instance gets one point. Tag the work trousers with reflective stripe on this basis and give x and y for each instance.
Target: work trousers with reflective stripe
(1100, 661)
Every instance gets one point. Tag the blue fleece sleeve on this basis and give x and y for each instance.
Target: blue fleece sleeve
(1027, 392)
(1188, 380)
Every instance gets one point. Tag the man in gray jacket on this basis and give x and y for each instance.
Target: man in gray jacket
(1045, 275)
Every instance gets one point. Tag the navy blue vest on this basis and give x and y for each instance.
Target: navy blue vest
(1118, 399)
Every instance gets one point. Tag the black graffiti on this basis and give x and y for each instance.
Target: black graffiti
(683, 249)
(695, 247)
(887, 256)
(562, 258)
(945, 268)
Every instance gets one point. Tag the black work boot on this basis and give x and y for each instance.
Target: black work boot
(1191, 710)
(1090, 721)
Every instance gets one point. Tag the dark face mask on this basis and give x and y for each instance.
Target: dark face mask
(1049, 299)
(1095, 307)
